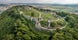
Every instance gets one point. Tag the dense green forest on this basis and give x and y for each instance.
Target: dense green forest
(14, 26)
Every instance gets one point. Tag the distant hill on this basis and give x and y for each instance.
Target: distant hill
(71, 5)
(3, 4)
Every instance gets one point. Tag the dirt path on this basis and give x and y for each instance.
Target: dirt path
(39, 27)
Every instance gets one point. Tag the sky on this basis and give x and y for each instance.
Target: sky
(41, 1)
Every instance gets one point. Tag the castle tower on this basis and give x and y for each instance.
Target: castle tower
(49, 23)
(31, 18)
(39, 19)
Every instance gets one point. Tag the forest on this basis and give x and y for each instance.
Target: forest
(15, 26)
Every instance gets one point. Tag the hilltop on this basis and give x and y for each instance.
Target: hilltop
(26, 22)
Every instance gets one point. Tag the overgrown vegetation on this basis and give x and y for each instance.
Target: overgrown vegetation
(14, 26)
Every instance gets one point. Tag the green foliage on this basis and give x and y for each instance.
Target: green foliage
(62, 14)
(53, 24)
(14, 26)
(44, 23)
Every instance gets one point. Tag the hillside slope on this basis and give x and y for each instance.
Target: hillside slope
(15, 26)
